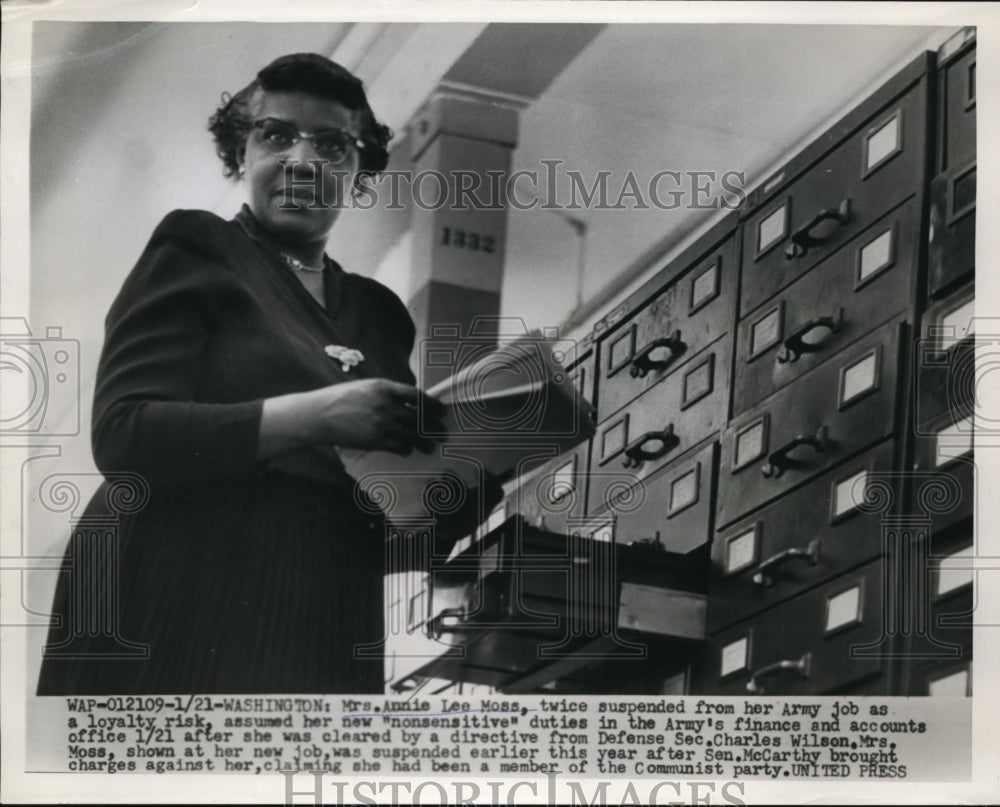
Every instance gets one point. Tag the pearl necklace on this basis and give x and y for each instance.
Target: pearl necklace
(298, 266)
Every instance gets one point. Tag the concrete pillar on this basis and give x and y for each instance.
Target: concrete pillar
(461, 150)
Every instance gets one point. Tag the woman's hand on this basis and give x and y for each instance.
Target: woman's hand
(370, 414)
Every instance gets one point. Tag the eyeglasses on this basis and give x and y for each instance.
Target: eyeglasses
(279, 136)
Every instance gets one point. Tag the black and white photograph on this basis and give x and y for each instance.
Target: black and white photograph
(591, 398)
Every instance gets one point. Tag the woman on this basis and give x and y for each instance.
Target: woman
(237, 356)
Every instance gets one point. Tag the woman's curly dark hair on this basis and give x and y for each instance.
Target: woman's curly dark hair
(302, 72)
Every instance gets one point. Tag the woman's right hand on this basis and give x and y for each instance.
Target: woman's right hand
(369, 414)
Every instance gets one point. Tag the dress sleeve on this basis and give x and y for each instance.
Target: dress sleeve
(146, 416)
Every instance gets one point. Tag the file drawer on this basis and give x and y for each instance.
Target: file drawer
(803, 539)
(840, 408)
(671, 509)
(943, 679)
(952, 232)
(946, 451)
(678, 323)
(946, 360)
(534, 598)
(957, 105)
(681, 411)
(873, 170)
(808, 645)
(850, 293)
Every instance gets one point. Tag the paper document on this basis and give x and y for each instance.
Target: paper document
(507, 412)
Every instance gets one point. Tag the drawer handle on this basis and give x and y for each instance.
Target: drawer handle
(803, 239)
(642, 363)
(810, 554)
(795, 344)
(803, 666)
(635, 453)
(436, 626)
(778, 460)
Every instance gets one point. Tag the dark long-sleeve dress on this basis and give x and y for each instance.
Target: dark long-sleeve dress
(237, 575)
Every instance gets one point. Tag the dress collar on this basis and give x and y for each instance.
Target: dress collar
(248, 222)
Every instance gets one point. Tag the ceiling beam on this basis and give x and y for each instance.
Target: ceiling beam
(402, 65)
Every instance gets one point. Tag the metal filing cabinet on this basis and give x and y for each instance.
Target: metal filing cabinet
(939, 591)
(811, 458)
(787, 408)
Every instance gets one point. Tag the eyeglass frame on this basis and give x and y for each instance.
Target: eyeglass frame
(299, 135)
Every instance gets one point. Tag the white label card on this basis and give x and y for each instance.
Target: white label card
(705, 285)
(742, 550)
(621, 350)
(875, 255)
(765, 332)
(843, 609)
(950, 579)
(750, 444)
(957, 324)
(954, 440)
(859, 378)
(734, 657)
(614, 439)
(684, 490)
(883, 142)
(562, 481)
(955, 685)
(771, 229)
(849, 493)
(698, 382)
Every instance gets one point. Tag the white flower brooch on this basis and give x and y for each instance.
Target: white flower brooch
(347, 356)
